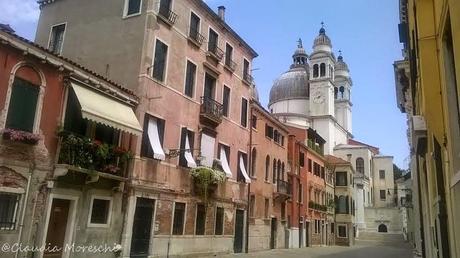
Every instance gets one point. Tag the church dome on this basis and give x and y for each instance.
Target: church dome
(322, 39)
(291, 84)
(340, 64)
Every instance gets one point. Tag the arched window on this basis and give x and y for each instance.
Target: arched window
(274, 171)
(23, 101)
(341, 205)
(315, 70)
(267, 167)
(360, 165)
(383, 228)
(282, 171)
(279, 170)
(336, 92)
(342, 90)
(253, 162)
(322, 70)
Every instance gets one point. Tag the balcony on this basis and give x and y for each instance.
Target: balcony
(215, 52)
(195, 37)
(230, 65)
(168, 16)
(315, 147)
(283, 190)
(91, 158)
(247, 78)
(211, 112)
(316, 206)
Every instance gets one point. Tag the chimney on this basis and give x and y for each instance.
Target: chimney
(221, 12)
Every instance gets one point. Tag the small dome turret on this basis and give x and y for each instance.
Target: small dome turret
(322, 42)
(300, 57)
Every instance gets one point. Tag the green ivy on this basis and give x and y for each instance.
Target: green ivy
(204, 177)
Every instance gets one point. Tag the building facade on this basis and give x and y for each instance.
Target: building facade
(65, 155)
(178, 52)
(427, 82)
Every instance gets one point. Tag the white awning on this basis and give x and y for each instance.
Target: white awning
(224, 161)
(243, 170)
(188, 154)
(107, 111)
(154, 139)
(207, 149)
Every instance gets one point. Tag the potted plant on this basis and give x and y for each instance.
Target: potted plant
(20, 136)
(206, 180)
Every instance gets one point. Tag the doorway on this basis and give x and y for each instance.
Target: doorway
(209, 86)
(273, 234)
(142, 224)
(307, 238)
(239, 231)
(57, 227)
(383, 228)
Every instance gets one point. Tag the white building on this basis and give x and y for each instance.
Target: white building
(316, 93)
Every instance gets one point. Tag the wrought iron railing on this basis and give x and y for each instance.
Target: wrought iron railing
(211, 108)
(215, 51)
(230, 64)
(248, 77)
(168, 15)
(196, 36)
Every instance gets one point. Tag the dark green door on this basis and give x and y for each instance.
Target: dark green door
(239, 231)
(142, 225)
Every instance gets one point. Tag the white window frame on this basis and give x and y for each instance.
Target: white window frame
(184, 219)
(165, 79)
(109, 215)
(204, 84)
(190, 18)
(17, 208)
(196, 218)
(125, 10)
(229, 99)
(218, 37)
(247, 112)
(338, 231)
(223, 220)
(63, 36)
(242, 67)
(187, 59)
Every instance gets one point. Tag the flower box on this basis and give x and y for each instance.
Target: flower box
(20, 136)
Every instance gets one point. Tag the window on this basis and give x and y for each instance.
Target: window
(310, 166)
(213, 41)
(322, 70)
(200, 222)
(57, 38)
(100, 211)
(23, 105)
(341, 205)
(252, 206)
(190, 75)
(186, 148)
(219, 227)
(254, 122)
(152, 138)
(224, 157)
(132, 7)
(178, 219)
(315, 70)
(209, 86)
(244, 112)
(8, 209)
(322, 172)
(267, 205)
(253, 162)
(194, 26)
(274, 171)
(336, 91)
(383, 195)
(341, 179)
(269, 131)
(165, 7)
(342, 231)
(228, 55)
(267, 168)
(245, 69)
(242, 164)
(159, 61)
(300, 191)
(301, 159)
(332, 227)
(226, 101)
(360, 165)
(382, 174)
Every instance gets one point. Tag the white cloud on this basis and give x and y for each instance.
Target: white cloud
(19, 11)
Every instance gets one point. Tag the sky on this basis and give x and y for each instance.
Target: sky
(364, 30)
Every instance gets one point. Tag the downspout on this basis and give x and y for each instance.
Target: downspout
(298, 202)
(249, 184)
(21, 225)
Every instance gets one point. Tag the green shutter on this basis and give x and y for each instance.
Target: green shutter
(23, 104)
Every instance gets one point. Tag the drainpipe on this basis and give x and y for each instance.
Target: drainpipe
(21, 226)
(249, 184)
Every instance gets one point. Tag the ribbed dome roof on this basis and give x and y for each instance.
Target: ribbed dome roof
(341, 65)
(322, 39)
(291, 84)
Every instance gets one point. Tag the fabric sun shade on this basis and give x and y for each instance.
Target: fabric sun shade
(101, 109)
(243, 170)
(224, 161)
(188, 154)
(154, 139)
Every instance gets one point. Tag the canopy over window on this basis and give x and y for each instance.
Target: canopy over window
(188, 154)
(104, 110)
(154, 139)
(224, 161)
(243, 170)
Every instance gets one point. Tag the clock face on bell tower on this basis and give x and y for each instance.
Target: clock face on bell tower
(318, 97)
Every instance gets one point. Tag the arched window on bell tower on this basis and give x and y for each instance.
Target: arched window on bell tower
(342, 90)
(322, 69)
(315, 70)
(336, 92)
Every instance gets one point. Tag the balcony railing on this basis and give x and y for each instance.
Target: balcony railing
(317, 206)
(195, 37)
(247, 78)
(283, 187)
(84, 153)
(168, 16)
(317, 148)
(215, 52)
(229, 64)
(211, 111)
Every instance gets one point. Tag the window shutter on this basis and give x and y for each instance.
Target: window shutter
(182, 160)
(23, 105)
